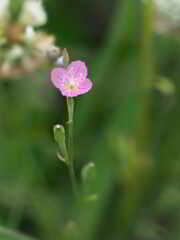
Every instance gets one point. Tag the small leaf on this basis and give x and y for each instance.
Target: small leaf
(88, 174)
(88, 171)
(59, 136)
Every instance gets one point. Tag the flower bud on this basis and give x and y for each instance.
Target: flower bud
(59, 136)
(65, 55)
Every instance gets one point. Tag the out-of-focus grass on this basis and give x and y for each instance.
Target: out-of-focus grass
(126, 126)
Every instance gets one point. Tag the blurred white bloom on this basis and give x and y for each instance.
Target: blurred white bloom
(4, 4)
(167, 14)
(29, 34)
(53, 52)
(15, 52)
(43, 43)
(27, 48)
(169, 9)
(33, 13)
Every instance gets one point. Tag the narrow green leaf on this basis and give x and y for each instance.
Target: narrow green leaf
(6, 234)
(88, 174)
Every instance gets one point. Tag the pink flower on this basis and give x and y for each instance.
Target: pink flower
(72, 81)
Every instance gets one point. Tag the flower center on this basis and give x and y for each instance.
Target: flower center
(71, 85)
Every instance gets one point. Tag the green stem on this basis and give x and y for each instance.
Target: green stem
(73, 180)
(70, 106)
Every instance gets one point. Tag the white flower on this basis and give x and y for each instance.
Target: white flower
(43, 43)
(4, 4)
(29, 33)
(169, 9)
(33, 13)
(167, 14)
(15, 52)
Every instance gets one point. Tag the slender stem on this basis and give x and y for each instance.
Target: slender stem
(70, 106)
(73, 180)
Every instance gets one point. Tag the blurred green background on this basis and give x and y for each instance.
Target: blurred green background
(128, 126)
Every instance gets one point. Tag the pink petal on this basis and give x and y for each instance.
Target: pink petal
(85, 86)
(58, 76)
(78, 70)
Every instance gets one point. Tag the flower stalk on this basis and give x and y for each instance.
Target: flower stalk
(70, 123)
(71, 80)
